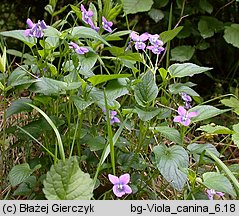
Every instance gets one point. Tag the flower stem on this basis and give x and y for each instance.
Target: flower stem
(110, 135)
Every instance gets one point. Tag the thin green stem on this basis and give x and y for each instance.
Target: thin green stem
(46, 149)
(226, 170)
(79, 131)
(74, 138)
(58, 136)
(110, 134)
(218, 97)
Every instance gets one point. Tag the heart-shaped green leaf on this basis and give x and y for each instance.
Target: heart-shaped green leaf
(97, 79)
(170, 133)
(19, 34)
(20, 172)
(66, 181)
(206, 112)
(146, 90)
(170, 162)
(186, 69)
(218, 182)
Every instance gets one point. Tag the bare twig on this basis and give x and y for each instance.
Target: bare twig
(27, 71)
(221, 8)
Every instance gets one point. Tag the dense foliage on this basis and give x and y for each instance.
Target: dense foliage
(102, 97)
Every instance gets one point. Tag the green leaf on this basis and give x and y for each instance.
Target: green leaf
(97, 79)
(146, 90)
(18, 106)
(233, 103)
(49, 86)
(156, 14)
(236, 128)
(235, 136)
(2, 86)
(117, 88)
(66, 181)
(206, 6)
(188, 29)
(49, 9)
(59, 11)
(77, 11)
(218, 182)
(198, 149)
(217, 129)
(26, 187)
(234, 168)
(94, 18)
(3, 61)
(170, 133)
(163, 73)
(97, 96)
(20, 172)
(207, 26)
(203, 45)
(170, 34)
(235, 139)
(87, 62)
(51, 123)
(226, 170)
(160, 3)
(206, 112)
(19, 34)
(96, 143)
(51, 42)
(170, 162)
(231, 34)
(131, 57)
(131, 160)
(147, 115)
(85, 32)
(15, 53)
(162, 113)
(182, 53)
(135, 6)
(186, 69)
(38, 127)
(81, 103)
(19, 77)
(114, 12)
(182, 87)
(117, 35)
(53, 69)
(115, 51)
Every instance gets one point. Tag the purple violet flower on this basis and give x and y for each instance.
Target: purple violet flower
(185, 97)
(106, 24)
(187, 105)
(96, 28)
(139, 40)
(184, 116)
(156, 49)
(211, 193)
(86, 17)
(187, 100)
(113, 119)
(154, 40)
(121, 186)
(78, 49)
(35, 29)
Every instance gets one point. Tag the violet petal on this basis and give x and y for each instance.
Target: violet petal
(113, 179)
(124, 179)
